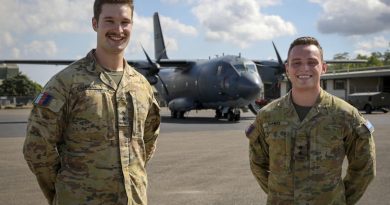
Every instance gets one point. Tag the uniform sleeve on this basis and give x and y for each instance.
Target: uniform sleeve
(152, 129)
(258, 153)
(40, 146)
(360, 150)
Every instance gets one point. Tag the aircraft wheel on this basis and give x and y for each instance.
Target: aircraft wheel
(368, 109)
(173, 114)
(230, 116)
(237, 117)
(180, 115)
(218, 114)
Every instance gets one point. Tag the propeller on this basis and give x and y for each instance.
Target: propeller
(282, 68)
(153, 71)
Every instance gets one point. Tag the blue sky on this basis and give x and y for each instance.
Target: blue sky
(194, 29)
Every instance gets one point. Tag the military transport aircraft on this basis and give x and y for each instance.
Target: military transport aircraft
(225, 84)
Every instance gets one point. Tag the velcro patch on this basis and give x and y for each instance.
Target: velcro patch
(249, 130)
(369, 126)
(43, 99)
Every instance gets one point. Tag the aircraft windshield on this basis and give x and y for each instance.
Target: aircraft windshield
(251, 67)
(245, 67)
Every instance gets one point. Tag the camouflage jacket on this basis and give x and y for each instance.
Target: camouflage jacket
(300, 162)
(88, 139)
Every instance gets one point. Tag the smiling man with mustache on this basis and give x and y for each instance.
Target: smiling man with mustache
(94, 126)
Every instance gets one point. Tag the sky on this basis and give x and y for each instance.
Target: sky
(194, 29)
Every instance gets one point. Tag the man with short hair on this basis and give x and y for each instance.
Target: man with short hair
(95, 124)
(299, 141)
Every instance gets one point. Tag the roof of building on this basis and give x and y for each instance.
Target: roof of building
(368, 72)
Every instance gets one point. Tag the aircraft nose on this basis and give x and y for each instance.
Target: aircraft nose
(249, 86)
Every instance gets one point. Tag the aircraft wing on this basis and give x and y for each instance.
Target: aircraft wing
(175, 63)
(345, 61)
(136, 63)
(38, 62)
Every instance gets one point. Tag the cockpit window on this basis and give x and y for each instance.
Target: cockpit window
(246, 67)
(251, 67)
(240, 67)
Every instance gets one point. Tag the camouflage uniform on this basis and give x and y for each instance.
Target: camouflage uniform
(300, 162)
(88, 139)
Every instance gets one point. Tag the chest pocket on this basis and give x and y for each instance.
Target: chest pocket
(279, 141)
(90, 114)
(328, 144)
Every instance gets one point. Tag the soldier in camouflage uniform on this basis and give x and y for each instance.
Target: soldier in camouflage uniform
(91, 133)
(299, 141)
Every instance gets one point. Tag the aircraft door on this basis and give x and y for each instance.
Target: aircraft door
(223, 76)
(209, 77)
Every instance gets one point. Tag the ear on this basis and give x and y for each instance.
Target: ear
(287, 68)
(324, 68)
(94, 24)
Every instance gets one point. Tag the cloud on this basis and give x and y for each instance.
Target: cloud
(7, 39)
(239, 22)
(177, 1)
(354, 17)
(49, 48)
(143, 33)
(23, 23)
(265, 3)
(174, 25)
(366, 47)
(46, 17)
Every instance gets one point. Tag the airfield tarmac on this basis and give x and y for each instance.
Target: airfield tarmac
(198, 161)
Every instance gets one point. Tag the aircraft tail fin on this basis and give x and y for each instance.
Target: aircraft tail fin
(160, 51)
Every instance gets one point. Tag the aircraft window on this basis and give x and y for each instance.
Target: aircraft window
(219, 70)
(251, 67)
(240, 67)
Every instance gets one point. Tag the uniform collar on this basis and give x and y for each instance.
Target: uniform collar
(321, 105)
(94, 67)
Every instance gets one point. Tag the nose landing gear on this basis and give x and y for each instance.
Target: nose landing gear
(231, 114)
(177, 114)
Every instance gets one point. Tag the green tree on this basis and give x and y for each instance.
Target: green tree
(341, 56)
(386, 57)
(375, 59)
(19, 85)
(339, 66)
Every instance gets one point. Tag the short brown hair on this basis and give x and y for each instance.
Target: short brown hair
(306, 40)
(97, 6)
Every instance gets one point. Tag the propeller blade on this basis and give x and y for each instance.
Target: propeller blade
(165, 87)
(154, 67)
(147, 56)
(282, 68)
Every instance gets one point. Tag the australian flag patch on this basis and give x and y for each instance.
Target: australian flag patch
(43, 99)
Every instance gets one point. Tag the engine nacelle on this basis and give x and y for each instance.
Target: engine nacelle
(181, 104)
